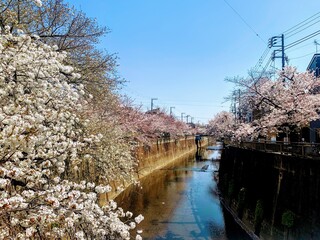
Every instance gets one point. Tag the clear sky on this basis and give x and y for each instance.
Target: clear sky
(180, 51)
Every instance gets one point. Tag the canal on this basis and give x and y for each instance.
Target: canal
(181, 201)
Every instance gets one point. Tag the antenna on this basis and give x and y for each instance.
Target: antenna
(316, 43)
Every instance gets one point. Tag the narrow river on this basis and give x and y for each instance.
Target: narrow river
(181, 202)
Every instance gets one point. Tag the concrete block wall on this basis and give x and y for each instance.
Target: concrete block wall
(161, 153)
(156, 156)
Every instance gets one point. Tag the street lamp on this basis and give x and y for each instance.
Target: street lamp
(171, 110)
(152, 99)
(182, 116)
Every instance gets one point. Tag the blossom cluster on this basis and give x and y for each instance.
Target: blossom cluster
(41, 139)
(150, 125)
(285, 104)
(222, 125)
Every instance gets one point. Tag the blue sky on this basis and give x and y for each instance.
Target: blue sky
(180, 51)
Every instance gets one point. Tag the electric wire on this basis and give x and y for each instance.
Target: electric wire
(261, 59)
(305, 24)
(297, 26)
(245, 22)
(302, 29)
(264, 69)
(163, 103)
(302, 56)
(309, 22)
(297, 48)
(302, 40)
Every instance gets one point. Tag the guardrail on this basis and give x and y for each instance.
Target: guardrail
(295, 148)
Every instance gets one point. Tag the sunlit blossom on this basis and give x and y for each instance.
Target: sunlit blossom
(42, 140)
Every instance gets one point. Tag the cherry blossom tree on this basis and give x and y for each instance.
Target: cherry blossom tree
(58, 23)
(41, 138)
(285, 104)
(113, 157)
(148, 126)
(51, 129)
(222, 126)
(291, 100)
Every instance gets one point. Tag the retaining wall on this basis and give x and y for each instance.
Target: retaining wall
(282, 184)
(162, 152)
(158, 155)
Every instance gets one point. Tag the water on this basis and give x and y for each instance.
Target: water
(181, 202)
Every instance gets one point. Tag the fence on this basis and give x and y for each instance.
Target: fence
(296, 148)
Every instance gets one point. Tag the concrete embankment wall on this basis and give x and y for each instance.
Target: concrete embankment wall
(158, 155)
(276, 195)
(163, 152)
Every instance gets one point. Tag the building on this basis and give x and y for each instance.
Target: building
(314, 66)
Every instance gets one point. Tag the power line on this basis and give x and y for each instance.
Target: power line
(244, 21)
(297, 26)
(297, 48)
(302, 56)
(302, 39)
(185, 104)
(261, 59)
(265, 67)
(302, 29)
(307, 23)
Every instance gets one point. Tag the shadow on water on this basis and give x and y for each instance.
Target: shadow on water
(181, 202)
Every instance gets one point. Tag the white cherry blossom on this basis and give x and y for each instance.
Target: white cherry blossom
(42, 138)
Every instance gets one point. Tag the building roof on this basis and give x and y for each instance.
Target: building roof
(314, 63)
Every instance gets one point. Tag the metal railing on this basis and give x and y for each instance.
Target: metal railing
(295, 148)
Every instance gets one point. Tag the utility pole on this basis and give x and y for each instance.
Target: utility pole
(182, 116)
(152, 99)
(282, 48)
(235, 108)
(171, 110)
(192, 119)
(234, 105)
(274, 42)
(239, 107)
(188, 118)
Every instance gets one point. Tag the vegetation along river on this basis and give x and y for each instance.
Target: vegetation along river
(181, 202)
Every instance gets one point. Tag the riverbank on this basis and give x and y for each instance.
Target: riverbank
(237, 220)
(156, 156)
(274, 195)
(180, 201)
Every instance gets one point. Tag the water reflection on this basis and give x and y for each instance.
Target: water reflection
(181, 201)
